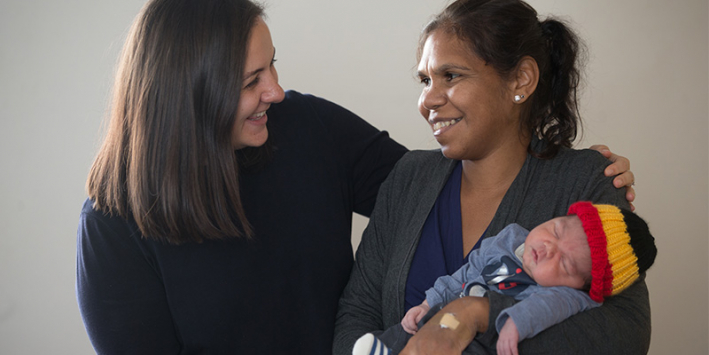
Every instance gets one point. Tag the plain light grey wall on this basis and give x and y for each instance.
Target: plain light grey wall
(646, 97)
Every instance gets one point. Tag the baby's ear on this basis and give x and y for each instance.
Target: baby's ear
(587, 284)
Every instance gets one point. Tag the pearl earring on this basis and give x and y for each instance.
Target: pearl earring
(518, 98)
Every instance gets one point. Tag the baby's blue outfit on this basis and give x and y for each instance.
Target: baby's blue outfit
(497, 266)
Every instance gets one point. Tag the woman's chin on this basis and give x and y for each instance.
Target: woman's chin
(451, 153)
(252, 141)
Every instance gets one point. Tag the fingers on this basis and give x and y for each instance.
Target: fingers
(626, 179)
(500, 348)
(419, 316)
(409, 323)
(506, 347)
(621, 165)
(602, 148)
(630, 196)
(406, 324)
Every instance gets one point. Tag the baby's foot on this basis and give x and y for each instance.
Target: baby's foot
(368, 344)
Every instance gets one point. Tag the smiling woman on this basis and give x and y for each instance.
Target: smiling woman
(220, 208)
(499, 92)
(465, 128)
(260, 89)
(176, 94)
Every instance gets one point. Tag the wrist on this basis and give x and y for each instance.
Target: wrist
(476, 312)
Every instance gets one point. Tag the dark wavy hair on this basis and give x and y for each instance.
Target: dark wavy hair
(167, 160)
(502, 32)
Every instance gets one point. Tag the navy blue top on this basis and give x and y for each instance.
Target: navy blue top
(274, 294)
(440, 249)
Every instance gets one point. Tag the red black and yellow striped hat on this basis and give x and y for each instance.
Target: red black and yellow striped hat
(621, 247)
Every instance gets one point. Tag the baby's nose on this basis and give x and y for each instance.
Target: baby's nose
(551, 249)
(542, 253)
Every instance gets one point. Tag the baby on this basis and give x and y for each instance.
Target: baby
(564, 266)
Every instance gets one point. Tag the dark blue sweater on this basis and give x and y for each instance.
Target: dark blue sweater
(275, 294)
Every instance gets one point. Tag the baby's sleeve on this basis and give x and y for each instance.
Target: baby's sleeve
(544, 307)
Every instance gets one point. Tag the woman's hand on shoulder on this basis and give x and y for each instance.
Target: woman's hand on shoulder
(620, 168)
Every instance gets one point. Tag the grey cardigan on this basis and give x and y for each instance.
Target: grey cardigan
(543, 189)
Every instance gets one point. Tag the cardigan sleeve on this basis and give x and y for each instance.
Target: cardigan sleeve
(360, 308)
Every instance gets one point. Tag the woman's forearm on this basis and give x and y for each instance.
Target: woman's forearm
(452, 328)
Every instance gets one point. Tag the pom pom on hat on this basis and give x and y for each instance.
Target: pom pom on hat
(621, 247)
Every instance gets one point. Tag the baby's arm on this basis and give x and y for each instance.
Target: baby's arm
(543, 308)
(413, 317)
(508, 339)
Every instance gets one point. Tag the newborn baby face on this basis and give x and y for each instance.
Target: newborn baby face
(556, 253)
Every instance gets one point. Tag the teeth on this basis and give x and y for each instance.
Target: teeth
(441, 124)
(257, 115)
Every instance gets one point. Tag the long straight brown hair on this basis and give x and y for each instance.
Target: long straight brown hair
(167, 160)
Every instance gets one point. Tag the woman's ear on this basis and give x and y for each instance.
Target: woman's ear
(525, 79)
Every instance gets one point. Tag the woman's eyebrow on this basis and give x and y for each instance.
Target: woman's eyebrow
(445, 68)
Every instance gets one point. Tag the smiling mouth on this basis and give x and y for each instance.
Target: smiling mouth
(442, 124)
(257, 116)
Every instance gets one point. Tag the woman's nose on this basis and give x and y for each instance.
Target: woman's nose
(274, 93)
(432, 98)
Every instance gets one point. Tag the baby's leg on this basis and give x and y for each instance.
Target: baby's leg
(395, 338)
(368, 344)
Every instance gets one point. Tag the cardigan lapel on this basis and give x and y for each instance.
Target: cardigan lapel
(425, 197)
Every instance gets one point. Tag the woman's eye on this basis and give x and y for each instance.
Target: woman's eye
(425, 81)
(451, 76)
(252, 83)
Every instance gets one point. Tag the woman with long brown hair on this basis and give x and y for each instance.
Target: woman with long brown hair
(220, 207)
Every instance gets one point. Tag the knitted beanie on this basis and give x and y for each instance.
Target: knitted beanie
(621, 247)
